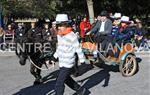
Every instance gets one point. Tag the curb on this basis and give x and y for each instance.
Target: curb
(7, 53)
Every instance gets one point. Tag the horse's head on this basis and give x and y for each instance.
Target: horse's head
(22, 48)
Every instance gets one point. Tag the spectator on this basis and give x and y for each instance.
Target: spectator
(1, 37)
(140, 32)
(9, 30)
(20, 33)
(84, 27)
(34, 34)
(78, 20)
(9, 34)
(46, 33)
(54, 34)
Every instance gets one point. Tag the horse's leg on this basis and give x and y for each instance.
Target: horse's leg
(36, 73)
(23, 58)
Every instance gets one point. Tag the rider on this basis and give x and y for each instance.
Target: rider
(102, 31)
(122, 33)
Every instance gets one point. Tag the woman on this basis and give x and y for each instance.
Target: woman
(84, 27)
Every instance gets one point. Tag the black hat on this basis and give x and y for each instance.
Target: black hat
(103, 13)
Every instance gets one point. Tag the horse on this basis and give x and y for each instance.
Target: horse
(28, 49)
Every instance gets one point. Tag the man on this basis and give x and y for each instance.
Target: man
(34, 34)
(102, 31)
(46, 33)
(68, 45)
(19, 33)
(19, 37)
(54, 34)
(47, 41)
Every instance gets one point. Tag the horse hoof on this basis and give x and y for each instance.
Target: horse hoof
(37, 82)
(22, 62)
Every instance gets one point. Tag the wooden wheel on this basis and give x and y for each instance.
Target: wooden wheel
(129, 66)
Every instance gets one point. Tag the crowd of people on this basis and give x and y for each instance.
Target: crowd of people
(81, 25)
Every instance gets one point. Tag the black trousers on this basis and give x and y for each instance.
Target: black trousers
(65, 78)
(103, 42)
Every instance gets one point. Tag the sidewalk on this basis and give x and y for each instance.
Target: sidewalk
(7, 53)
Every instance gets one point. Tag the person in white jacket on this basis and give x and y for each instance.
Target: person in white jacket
(68, 45)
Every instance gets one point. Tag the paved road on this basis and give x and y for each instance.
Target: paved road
(17, 80)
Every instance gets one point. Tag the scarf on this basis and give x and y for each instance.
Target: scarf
(68, 30)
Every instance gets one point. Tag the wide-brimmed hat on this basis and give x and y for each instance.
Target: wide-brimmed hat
(117, 15)
(103, 13)
(125, 19)
(62, 18)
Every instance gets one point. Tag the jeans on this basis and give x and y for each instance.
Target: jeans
(64, 78)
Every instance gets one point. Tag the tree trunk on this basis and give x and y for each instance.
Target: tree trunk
(91, 11)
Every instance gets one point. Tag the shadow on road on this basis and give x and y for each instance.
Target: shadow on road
(42, 89)
(139, 60)
(97, 78)
(102, 75)
(83, 68)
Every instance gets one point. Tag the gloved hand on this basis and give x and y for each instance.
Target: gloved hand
(83, 63)
(49, 64)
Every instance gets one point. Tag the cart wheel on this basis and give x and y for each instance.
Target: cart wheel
(129, 66)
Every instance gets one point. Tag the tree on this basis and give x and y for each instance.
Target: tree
(91, 11)
(48, 8)
(29, 8)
